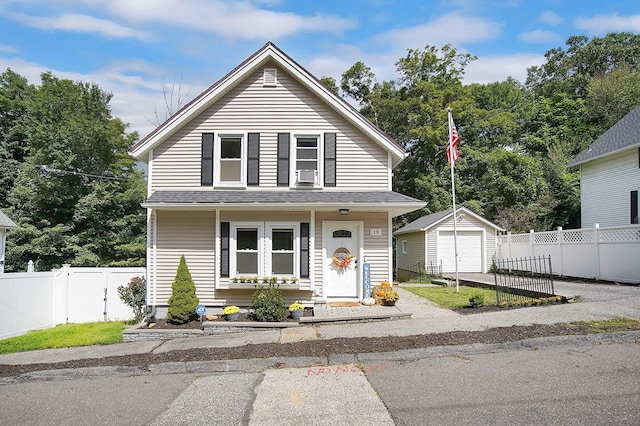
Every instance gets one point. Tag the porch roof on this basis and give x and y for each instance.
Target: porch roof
(371, 201)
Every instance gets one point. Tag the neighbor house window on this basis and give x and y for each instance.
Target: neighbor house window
(404, 246)
(230, 155)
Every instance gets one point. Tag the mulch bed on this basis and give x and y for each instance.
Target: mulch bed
(321, 348)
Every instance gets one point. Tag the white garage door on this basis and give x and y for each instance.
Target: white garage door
(469, 251)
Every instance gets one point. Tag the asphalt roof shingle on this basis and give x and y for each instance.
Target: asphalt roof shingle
(280, 197)
(624, 134)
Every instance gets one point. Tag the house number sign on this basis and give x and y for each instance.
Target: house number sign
(376, 232)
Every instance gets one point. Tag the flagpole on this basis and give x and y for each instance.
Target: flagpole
(453, 196)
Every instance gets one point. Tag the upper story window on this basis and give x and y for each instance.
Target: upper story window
(306, 158)
(404, 246)
(230, 154)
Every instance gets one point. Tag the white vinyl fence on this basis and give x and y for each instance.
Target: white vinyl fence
(37, 300)
(610, 254)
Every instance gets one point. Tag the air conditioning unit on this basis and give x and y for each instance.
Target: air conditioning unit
(306, 176)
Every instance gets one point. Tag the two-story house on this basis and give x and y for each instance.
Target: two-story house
(610, 175)
(268, 173)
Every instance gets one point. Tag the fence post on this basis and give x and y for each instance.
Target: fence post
(502, 256)
(596, 237)
(559, 242)
(531, 240)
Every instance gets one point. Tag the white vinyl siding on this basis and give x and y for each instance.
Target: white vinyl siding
(415, 250)
(249, 107)
(606, 186)
(191, 234)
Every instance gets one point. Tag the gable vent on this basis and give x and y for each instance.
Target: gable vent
(269, 77)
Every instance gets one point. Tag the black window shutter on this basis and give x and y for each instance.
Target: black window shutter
(304, 250)
(329, 159)
(206, 161)
(224, 249)
(283, 159)
(253, 162)
(634, 207)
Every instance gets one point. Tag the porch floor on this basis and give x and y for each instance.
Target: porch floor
(325, 313)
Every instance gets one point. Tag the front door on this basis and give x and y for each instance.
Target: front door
(341, 248)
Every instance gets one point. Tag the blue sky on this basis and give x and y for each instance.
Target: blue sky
(134, 48)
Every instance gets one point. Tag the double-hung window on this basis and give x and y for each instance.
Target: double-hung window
(265, 249)
(307, 158)
(246, 249)
(230, 154)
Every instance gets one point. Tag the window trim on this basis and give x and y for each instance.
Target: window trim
(217, 160)
(233, 246)
(404, 245)
(269, 227)
(293, 158)
(264, 247)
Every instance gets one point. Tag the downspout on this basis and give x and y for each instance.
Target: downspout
(151, 250)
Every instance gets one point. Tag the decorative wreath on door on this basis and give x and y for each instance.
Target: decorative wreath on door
(342, 258)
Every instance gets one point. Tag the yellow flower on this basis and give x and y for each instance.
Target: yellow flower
(229, 310)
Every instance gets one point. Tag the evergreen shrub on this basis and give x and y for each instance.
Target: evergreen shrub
(267, 304)
(183, 300)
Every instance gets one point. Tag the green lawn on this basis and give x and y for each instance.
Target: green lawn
(67, 335)
(447, 297)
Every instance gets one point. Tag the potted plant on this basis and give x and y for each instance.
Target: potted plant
(391, 297)
(294, 280)
(297, 310)
(231, 313)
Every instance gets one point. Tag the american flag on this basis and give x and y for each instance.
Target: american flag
(452, 146)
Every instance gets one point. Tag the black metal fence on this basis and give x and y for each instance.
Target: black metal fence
(419, 270)
(523, 279)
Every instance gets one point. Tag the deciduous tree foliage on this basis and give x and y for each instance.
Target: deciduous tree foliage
(76, 193)
(516, 140)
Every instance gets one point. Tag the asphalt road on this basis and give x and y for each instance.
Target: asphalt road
(579, 380)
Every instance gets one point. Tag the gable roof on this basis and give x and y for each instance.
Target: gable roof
(5, 222)
(429, 221)
(623, 135)
(269, 52)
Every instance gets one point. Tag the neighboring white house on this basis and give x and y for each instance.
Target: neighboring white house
(5, 225)
(610, 175)
(429, 241)
(270, 174)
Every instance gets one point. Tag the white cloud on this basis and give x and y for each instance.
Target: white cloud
(601, 24)
(136, 87)
(539, 36)
(81, 23)
(489, 69)
(551, 18)
(454, 28)
(8, 49)
(229, 19)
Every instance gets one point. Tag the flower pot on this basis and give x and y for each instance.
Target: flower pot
(232, 317)
(297, 314)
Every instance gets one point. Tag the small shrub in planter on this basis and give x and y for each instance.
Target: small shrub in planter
(183, 300)
(267, 304)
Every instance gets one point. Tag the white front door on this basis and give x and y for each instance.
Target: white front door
(341, 249)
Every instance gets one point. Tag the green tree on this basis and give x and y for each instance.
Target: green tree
(183, 300)
(570, 71)
(15, 93)
(77, 193)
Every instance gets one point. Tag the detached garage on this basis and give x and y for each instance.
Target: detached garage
(428, 243)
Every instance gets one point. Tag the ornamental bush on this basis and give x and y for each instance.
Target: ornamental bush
(134, 295)
(183, 300)
(477, 300)
(267, 304)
